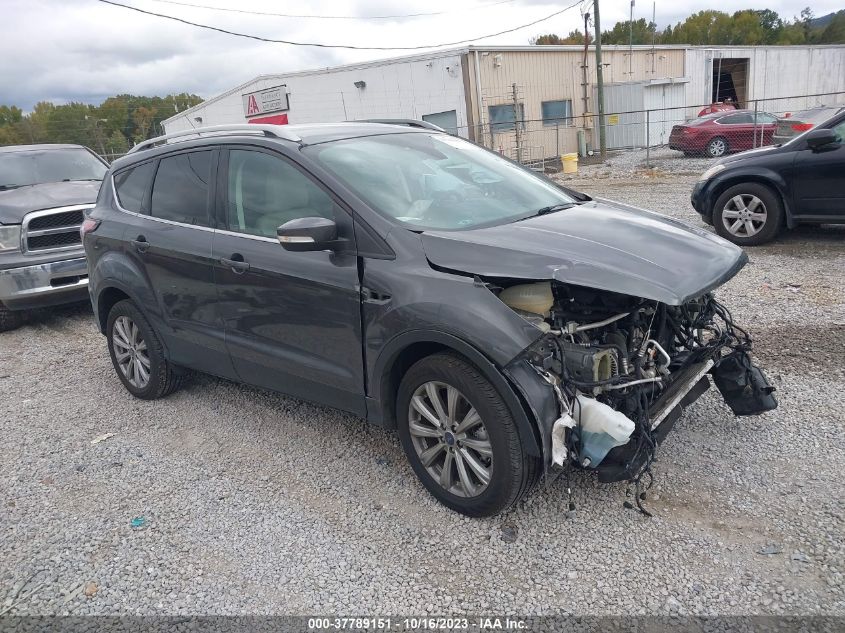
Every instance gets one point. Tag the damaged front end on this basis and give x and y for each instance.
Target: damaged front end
(623, 369)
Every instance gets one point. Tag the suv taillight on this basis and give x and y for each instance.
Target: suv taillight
(89, 225)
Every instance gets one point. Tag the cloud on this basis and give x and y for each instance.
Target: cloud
(86, 50)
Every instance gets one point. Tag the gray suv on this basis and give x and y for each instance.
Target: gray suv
(45, 190)
(502, 325)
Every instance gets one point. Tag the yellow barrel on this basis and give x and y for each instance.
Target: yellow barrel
(570, 163)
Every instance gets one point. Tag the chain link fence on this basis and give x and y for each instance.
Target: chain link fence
(705, 130)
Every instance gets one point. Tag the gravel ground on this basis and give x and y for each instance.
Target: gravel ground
(245, 501)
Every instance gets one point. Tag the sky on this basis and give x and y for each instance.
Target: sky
(86, 50)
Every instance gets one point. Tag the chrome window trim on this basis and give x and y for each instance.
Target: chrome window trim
(147, 216)
(53, 231)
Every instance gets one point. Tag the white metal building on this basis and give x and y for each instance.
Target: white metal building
(479, 91)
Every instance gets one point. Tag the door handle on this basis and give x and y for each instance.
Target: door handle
(141, 244)
(237, 264)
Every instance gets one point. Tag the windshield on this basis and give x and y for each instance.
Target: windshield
(436, 181)
(35, 167)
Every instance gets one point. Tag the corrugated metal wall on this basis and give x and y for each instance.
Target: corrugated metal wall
(405, 89)
(547, 74)
(779, 77)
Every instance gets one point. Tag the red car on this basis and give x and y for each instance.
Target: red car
(720, 133)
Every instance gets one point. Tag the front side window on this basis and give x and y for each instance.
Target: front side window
(180, 190)
(435, 181)
(132, 185)
(36, 167)
(557, 112)
(266, 191)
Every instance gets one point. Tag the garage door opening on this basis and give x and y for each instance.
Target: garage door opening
(730, 80)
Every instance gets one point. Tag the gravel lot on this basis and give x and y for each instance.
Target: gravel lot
(250, 502)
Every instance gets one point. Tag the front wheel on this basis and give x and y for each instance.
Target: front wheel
(138, 355)
(748, 214)
(461, 438)
(10, 319)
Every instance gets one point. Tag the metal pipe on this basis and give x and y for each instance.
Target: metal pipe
(590, 326)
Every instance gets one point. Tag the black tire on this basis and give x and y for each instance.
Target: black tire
(772, 207)
(717, 147)
(513, 472)
(163, 378)
(10, 319)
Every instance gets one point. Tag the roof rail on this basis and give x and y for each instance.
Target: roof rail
(406, 122)
(276, 131)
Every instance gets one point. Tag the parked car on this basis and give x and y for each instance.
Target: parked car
(792, 125)
(750, 197)
(44, 193)
(501, 323)
(724, 106)
(721, 133)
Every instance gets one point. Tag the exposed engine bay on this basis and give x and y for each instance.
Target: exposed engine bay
(623, 368)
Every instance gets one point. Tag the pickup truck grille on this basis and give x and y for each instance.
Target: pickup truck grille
(53, 229)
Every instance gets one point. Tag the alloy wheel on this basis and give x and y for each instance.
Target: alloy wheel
(717, 147)
(744, 215)
(130, 352)
(450, 439)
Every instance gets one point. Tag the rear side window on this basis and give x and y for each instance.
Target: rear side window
(180, 190)
(132, 185)
(736, 119)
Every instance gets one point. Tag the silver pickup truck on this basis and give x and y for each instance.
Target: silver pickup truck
(45, 191)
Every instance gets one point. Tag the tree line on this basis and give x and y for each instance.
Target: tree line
(110, 128)
(747, 27)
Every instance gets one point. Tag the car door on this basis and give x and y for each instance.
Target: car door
(170, 242)
(292, 319)
(738, 129)
(819, 179)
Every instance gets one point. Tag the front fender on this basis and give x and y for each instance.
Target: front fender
(521, 389)
(763, 175)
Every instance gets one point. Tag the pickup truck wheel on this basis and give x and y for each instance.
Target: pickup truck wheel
(10, 319)
(138, 355)
(748, 214)
(461, 438)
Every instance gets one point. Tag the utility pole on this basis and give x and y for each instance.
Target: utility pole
(585, 82)
(516, 124)
(599, 80)
(631, 41)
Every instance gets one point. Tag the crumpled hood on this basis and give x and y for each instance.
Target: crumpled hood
(599, 244)
(16, 203)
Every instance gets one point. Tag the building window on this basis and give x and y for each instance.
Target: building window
(502, 119)
(557, 112)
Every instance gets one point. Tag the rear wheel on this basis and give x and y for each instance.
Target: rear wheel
(10, 319)
(716, 147)
(138, 355)
(748, 214)
(461, 438)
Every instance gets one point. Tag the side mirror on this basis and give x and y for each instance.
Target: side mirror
(308, 234)
(818, 138)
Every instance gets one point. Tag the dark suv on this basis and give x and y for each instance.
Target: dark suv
(750, 197)
(45, 191)
(502, 324)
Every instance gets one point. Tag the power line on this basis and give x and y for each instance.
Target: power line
(332, 17)
(346, 46)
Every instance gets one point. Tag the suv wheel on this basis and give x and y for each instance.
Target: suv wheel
(10, 319)
(748, 214)
(138, 355)
(716, 147)
(461, 439)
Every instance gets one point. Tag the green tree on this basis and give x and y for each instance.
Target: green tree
(834, 32)
(621, 32)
